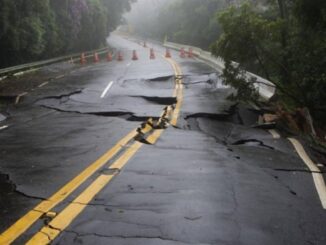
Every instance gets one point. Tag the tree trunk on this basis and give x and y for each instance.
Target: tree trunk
(284, 69)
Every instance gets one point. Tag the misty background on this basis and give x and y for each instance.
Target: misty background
(190, 22)
(280, 40)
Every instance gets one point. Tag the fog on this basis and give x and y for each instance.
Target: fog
(192, 22)
(143, 16)
(145, 9)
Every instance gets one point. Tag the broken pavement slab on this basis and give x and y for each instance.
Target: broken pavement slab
(212, 179)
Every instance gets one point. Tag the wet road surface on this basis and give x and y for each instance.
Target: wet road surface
(150, 152)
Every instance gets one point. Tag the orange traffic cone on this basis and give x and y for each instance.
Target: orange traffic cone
(190, 53)
(182, 53)
(109, 57)
(96, 58)
(119, 57)
(134, 55)
(167, 54)
(83, 60)
(152, 54)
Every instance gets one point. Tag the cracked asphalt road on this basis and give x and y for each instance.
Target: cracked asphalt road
(213, 178)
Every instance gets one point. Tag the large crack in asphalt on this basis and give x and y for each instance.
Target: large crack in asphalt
(129, 116)
(61, 96)
(8, 187)
(84, 234)
(253, 142)
(220, 117)
(234, 118)
(160, 79)
(298, 170)
(231, 116)
(159, 100)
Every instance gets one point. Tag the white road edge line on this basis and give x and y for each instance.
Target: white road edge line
(4, 127)
(316, 173)
(106, 89)
(43, 84)
(19, 96)
(274, 133)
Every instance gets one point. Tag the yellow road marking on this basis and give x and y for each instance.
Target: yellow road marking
(154, 136)
(177, 109)
(316, 174)
(147, 127)
(61, 222)
(13, 232)
(121, 162)
(178, 92)
(64, 219)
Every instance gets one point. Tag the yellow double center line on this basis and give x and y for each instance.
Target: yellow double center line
(60, 222)
(178, 92)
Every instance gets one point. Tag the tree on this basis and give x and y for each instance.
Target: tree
(283, 43)
(24, 30)
(38, 29)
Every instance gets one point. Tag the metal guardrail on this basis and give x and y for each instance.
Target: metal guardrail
(21, 68)
(266, 89)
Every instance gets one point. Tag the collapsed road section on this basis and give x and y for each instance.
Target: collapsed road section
(201, 169)
(119, 154)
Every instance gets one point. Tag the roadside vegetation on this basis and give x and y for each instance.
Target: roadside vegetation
(40, 29)
(283, 41)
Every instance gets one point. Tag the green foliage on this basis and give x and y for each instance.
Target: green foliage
(283, 42)
(38, 29)
(235, 76)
